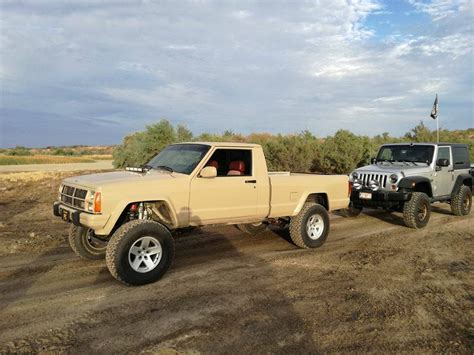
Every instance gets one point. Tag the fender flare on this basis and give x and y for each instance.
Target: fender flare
(120, 208)
(305, 196)
(462, 179)
(410, 182)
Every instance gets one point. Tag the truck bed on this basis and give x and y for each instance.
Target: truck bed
(288, 191)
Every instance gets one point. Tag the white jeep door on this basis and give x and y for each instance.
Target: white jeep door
(444, 176)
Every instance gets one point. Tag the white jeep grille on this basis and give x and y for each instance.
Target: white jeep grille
(382, 178)
(73, 196)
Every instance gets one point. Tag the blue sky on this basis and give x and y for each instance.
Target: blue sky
(90, 72)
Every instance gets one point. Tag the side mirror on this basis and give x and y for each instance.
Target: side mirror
(373, 160)
(208, 172)
(442, 162)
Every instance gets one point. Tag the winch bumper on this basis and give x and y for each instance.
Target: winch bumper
(375, 199)
(80, 218)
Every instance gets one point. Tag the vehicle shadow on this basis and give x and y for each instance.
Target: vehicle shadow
(389, 217)
(442, 209)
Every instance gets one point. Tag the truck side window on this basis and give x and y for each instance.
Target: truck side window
(443, 153)
(461, 158)
(232, 162)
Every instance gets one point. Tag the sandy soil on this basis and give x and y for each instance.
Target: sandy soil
(375, 286)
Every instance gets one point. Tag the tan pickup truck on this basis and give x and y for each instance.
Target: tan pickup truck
(128, 216)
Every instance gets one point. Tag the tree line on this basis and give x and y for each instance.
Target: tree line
(302, 152)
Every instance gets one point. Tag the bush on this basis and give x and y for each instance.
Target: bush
(301, 152)
(138, 148)
(19, 151)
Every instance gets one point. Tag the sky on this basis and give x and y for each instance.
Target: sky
(90, 72)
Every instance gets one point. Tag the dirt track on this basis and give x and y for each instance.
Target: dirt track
(374, 286)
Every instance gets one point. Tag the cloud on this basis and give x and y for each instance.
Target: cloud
(440, 9)
(246, 66)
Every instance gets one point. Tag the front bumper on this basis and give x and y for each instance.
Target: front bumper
(96, 222)
(384, 199)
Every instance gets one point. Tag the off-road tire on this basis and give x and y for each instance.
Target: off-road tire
(117, 255)
(351, 212)
(462, 201)
(298, 226)
(83, 246)
(252, 229)
(417, 211)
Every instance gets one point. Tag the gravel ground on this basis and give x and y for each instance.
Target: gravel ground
(375, 286)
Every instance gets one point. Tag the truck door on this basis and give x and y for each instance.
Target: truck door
(229, 197)
(443, 178)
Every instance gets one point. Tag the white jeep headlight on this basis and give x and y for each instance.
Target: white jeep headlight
(357, 184)
(354, 175)
(393, 178)
(374, 185)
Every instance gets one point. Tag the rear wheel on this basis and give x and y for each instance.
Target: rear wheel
(140, 252)
(462, 201)
(252, 228)
(310, 228)
(417, 211)
(84, 243)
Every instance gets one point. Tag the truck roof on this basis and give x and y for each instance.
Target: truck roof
(224, 144)
(429, 143)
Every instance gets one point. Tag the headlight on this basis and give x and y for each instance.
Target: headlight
(94, 202)
(90, 201)
(393, 178)
(357, 184)
(374, 185)
(60, 190)
(354, 175)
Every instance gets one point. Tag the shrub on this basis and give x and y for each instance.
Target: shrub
(301, 152)
(19, 151)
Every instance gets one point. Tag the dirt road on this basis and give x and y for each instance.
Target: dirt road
(375, 286)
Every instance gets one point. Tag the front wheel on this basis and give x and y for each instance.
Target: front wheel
(140, 252)
(84, 243)
(310, 228)
(417, 211)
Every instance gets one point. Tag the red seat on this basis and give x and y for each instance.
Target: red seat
(213, 163)
(237, 167)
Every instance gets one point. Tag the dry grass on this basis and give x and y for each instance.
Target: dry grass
(49, 159)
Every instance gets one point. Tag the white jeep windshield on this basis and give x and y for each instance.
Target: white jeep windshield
(181, 158)
(406, 153)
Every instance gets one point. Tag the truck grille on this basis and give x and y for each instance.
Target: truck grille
(73, 196)
(365, 178)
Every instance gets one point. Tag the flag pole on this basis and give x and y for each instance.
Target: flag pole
(434, 115)
(437, 129)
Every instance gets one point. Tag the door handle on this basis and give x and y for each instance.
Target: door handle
(250, 181)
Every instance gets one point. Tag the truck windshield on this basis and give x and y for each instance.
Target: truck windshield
(406, 153)
(181, 158)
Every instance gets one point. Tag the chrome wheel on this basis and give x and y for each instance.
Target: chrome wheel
(315, 226)
(145, 254)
